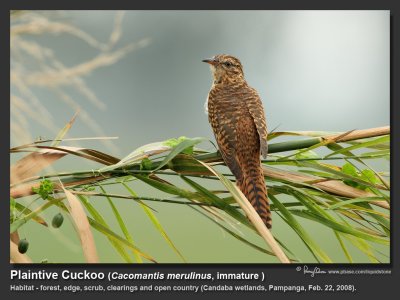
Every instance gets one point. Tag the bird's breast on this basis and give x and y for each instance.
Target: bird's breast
(227, 102)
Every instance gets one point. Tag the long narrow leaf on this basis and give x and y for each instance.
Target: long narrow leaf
(82, 227)
(305, 237)
(122, 225)
(156, 223)
(99, 218)
(178, 149)
(252, 215)
(376, 141)
(64, 131)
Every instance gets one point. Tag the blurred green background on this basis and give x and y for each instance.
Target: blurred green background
(314, 70)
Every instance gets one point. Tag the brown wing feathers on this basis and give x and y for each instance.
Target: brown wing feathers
(238, 122)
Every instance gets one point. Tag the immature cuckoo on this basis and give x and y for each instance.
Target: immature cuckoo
(236, 115)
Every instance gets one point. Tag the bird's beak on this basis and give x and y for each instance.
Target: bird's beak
(210, 61)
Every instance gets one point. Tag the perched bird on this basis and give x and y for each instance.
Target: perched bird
(237, 118)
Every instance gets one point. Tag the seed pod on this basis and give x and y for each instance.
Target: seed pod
(23, 246)
(57, 221)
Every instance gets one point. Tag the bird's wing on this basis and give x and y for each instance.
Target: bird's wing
(255, 107)
(224, 131)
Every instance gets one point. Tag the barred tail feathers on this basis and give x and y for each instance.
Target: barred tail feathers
(253, 187)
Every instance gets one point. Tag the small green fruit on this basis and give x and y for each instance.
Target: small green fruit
(23, 246)
(57, 221)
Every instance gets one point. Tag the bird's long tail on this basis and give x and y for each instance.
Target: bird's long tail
(252, 185)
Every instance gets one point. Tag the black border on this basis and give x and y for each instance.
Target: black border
(373, 285)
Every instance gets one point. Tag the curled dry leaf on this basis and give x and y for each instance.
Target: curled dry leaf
(82, 227)
(32, 164)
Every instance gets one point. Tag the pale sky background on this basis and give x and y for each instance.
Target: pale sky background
(314, 70)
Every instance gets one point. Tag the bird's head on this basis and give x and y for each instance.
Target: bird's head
(225, 68)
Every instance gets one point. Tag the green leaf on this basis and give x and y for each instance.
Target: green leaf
(344, 248)
(306, 154)
(341, 227)
(325, 218)
(99, 218)
(110, 234)
(146, 164)
(318, 253)
(45, 189)
(122, 225)
(63, 131)
(156, 223)
(235, 235)
(338, 173)
(26, 211)
(181, 145)
(22, 220)
(185, 164)
(349, 169)
(168, 188)
(13, 210)
(218, 202)
(373, 142)
(369, 175)
(352, 201)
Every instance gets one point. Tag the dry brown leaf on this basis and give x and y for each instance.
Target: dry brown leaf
(82, 227)
(32, 164)
(23, 190)
(14, 237)
(332, 186)
(363, 133)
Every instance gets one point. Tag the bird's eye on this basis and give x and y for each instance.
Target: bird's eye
(228, 64)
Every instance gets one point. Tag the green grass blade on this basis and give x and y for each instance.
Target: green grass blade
(325, 218)
(167, 188)
(63, 131)
(99, 218)
(341, 227)
(110, 234)
(218, 202)
(22, 220)
(317, 252)
(355, 200)
(361, 245)
(235, 235)
(383, 222)
(339, 174)
(122, 224)
(26, 211)
(344, 248)
(156, 223)
(186, 143)
(376, 141)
